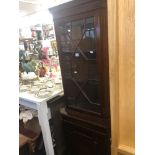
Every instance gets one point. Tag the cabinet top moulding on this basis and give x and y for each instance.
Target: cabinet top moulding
(73, 6)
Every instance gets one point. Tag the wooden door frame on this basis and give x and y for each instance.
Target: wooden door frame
(118, 10)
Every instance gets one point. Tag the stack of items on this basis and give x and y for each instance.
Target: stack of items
(27, 114)
(29, 128)
(23, 145)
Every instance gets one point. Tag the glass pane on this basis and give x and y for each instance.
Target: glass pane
(65, 49)
(77, 29)
(89, 23)
(61, 29)
(68, 29)
(78, 41)
(87, 44)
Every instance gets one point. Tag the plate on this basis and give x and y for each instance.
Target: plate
(44, 93)
(34, 89)
(24, 88)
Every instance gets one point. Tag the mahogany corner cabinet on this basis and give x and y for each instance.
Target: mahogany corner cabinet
(82, 38)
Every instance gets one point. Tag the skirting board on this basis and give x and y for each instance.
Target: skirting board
(122, 150)
(125, 150)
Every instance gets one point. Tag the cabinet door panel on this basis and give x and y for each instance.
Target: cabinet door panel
(81, 144)
(77, 42)
(84, 141)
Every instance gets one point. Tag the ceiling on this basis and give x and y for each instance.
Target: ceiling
(27, 7)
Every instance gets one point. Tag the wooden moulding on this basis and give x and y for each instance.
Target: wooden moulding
(73, 6)
(125, 150)
(86, 120)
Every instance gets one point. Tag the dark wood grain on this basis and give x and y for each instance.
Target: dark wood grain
(86, 94)
(85, 137)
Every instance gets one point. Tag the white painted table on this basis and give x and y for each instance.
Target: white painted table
(40, 104)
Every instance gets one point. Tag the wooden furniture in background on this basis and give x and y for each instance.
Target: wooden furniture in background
(44, 114)
(23, 145)
(82, 39)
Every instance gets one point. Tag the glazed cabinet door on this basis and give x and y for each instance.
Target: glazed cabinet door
(77, 43)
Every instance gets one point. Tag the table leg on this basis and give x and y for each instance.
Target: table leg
(44, 123)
